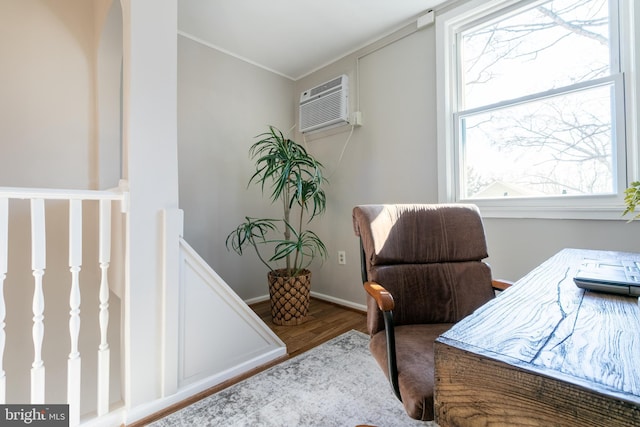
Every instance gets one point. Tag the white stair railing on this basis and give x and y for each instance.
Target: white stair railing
(75, 199)
(38, 264)
(103, 350)
(75, 261)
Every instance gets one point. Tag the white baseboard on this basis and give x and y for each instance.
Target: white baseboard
(256, 299)
(114, 418)
(328, 298)
(339, 301)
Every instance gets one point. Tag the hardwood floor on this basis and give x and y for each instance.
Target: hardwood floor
(324, 322)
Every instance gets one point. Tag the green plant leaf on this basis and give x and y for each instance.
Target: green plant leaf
(632, 199)
(288, 174)
(253, 232)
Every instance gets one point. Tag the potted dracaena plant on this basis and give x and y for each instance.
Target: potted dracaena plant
(632, 200)
(293, 177)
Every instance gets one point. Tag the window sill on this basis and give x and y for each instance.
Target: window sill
(494, 210)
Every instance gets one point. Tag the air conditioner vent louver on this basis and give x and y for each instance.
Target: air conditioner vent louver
(325, 105)
(324, 87)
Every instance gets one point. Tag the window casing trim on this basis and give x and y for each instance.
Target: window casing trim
(624, 124)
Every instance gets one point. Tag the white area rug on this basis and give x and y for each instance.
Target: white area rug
(335, 384)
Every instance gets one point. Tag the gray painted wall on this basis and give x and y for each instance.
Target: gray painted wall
(223, 103)
(392, 158)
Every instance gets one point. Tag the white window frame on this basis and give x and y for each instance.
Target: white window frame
(566, 207)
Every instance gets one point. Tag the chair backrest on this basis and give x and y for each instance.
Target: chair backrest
(428, 256)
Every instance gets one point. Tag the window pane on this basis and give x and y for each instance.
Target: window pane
(551, 147)
(552, 45)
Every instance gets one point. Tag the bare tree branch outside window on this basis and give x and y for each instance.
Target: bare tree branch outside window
(554, 145)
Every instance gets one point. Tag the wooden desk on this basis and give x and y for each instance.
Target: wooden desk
(544, 353)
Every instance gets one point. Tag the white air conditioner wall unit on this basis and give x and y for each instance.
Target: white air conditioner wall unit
(326, 105)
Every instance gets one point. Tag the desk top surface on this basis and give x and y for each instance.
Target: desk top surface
(546, 324)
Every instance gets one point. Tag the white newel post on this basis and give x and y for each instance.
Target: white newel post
(103, 350)
(38, 259)
(75, 262)
(4, 238)
(150, 148)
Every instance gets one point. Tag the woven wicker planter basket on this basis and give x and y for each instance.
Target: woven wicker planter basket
(289, 297)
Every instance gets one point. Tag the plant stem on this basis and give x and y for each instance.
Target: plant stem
(287, 232)
(255, 247)
(295, 262)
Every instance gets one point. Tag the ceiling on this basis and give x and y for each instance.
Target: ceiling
(294, 37)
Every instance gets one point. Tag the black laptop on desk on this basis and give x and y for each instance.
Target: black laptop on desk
(611, 276)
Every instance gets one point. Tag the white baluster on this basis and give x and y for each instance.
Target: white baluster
(38, 264)
(75, 261)
(103, 349)
(4, 238)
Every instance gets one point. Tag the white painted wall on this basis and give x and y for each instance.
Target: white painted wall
(242, 341)
(47, 97)
(108, 97)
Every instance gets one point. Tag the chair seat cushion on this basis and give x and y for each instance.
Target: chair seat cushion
(415, 359)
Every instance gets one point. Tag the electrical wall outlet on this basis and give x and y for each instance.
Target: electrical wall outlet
(342, 257)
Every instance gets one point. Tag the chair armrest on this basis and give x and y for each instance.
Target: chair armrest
(500, 285)
(384, 300)
(382, 297)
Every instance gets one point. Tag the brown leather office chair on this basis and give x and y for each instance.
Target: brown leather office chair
(423, 271)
